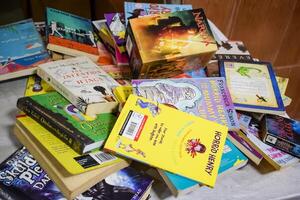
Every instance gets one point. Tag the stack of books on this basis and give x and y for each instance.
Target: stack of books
(134, 86)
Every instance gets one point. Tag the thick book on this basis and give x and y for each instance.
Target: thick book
(83, 83)
(70, 34)
(35, 86)
(81, 132)
(22, 49)
(126, 184)
(204, 97)
(188, 145)
(282, 133)
(166, 45)
(23, 178)
(70, 185)
(253, 86)
(134, 10)
(232, 159)
(70, 160)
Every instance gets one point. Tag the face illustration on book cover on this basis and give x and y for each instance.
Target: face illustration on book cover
(194, 146)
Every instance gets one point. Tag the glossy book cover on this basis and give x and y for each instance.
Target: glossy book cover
(191, 146)
(204, 97)
(116, 24)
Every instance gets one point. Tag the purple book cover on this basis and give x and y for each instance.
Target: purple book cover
(121, 58)
(205, 97)
(116, 25)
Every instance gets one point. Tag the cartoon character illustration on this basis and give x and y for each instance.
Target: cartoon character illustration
(194, 146)
(260, 98)
(129, 148)
(117, 26)
(154, 109)
(76, 114)
(54, 29)
(37, 86)
(244, 71)
(107, 96)
(136, 13)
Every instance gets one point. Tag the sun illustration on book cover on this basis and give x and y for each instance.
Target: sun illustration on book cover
(129, 148)
(154, 109)
(194, 146)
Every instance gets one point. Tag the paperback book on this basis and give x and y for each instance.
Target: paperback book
(146, 128)
(204, 97)
(22, 49)
(35, 86)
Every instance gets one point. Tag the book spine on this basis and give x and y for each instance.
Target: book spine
(51, 123)
(282, 144)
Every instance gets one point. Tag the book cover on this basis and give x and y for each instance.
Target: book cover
(192, 146)
(22, 49)
(83, 83)
(204, 97)
(23, 178)
(117, 72)
(121, 58)
(70, 160)
(194, 73)
(165, 45)
(282, 133)
(126, 184)
(253, 86)
(232, 158)
(55, 113)
(70, 34)
(134, 10)
(282, 84)
(35, 86)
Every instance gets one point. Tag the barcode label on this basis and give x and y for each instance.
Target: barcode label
(102, 157)
(271, 139)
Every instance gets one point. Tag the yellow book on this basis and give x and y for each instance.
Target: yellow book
(169, 139)
(122, 93)
(70, 160)
(35, 85)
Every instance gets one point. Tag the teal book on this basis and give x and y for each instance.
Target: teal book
(81, 132)
(232, 159)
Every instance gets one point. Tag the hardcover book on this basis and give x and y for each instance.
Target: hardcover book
(83, 83)
(23, 178)
(204, 97)
(146, 128)
(35, 86)
(126, 184)
(253, 86)
(166, 45)
(21, 48)
(70, 185)
(282, 133)
(70, 34)
(55, 113)
(134, 10)
(232, 159)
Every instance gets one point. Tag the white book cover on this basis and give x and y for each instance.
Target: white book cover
(82, 82)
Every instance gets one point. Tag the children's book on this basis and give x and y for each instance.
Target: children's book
(70, 185)
(282, 133)
(23, 178)
(70, 34)
(22, 49)
(35, 86)
(282, 84)
(134, 10)
(205, 97)
(253, 86)
(192, 146)
(166, 45)
(232, 159)
(126, 184)
(83, 83)
(61, 118)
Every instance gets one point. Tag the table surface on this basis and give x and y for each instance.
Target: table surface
(245, 183)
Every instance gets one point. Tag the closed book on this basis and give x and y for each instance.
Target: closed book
(187, 145)
(83, 83)
(82, 133)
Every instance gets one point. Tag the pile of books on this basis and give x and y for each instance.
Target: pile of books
(113, 100)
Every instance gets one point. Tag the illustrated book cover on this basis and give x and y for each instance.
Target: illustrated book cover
(192, 146)
(70, 34)
(22, 49)
(166, 45)
(253, 86)
(134, 10)
(23, 178)
(282, 133)
(35, 86)
(208, 98)
(83, 83)
(126, 184)
(81, 132)
(70, 185)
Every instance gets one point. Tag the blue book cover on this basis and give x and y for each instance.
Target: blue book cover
(253, 86)
(232, 158)
(21, 177)
(122, 185)
(134, 10)
(21, 48)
